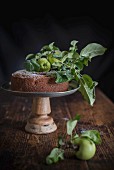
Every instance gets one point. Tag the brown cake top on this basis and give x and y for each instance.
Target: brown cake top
(27, 74)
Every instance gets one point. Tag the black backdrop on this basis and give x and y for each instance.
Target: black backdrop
(26, 32)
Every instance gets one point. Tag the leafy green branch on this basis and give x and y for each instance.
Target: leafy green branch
(66, 66)
(84, 144)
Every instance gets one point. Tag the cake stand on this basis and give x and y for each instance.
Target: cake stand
(39, 122)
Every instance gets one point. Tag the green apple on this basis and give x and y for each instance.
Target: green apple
(87, 148)
(45, 65)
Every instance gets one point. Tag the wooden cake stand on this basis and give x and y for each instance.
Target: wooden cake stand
(39, 122)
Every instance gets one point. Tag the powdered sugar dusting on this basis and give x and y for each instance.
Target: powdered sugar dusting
(26, 74)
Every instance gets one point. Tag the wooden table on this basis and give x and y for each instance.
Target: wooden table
(23, 151)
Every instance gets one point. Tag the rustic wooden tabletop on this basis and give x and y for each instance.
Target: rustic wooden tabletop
(24, 151)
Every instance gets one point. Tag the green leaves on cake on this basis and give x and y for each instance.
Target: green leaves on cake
(66, 66)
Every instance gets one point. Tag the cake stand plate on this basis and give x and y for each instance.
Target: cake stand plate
(39, 121)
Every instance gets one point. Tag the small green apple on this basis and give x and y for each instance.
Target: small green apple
(45, 65)
(87, 148)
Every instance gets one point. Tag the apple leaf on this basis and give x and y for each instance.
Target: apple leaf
(87, 88)
(28, 65)
(60, 141)
(35, 64)
(73, 45)
(55, 156)
(30, 56)
(94, 135)
(92, 50)
(71, 124)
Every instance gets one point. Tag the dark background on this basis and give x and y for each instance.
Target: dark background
(27, 27)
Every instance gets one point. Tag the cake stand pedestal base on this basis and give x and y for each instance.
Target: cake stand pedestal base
(39, 122)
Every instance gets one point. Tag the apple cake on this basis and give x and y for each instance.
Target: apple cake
(27, 81)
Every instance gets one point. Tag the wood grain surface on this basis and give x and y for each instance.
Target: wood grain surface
(20, 150)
